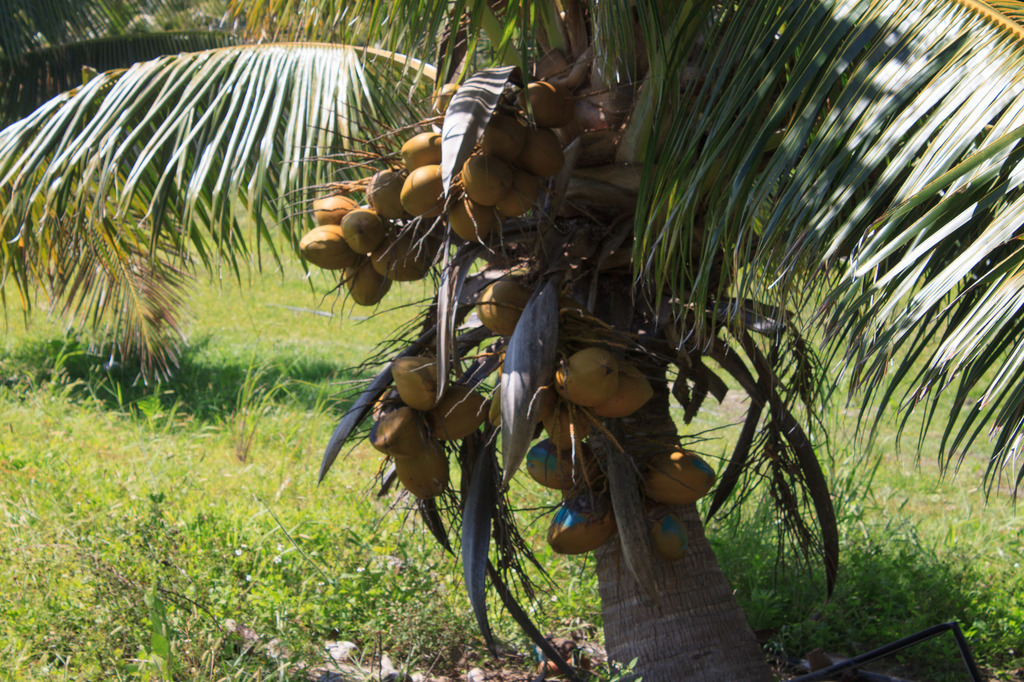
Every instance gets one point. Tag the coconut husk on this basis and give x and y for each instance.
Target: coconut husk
(325, 247)
(416, 381)
(679, 477)
(459, 413)
(426, 473)
(421, 150)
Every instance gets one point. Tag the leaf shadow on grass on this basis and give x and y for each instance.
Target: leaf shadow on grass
(205, 387)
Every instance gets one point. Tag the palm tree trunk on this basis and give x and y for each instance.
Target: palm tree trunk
(692, 630)
(683, 623)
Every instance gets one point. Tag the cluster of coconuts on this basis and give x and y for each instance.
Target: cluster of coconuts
(592, 382)
(501, 179)
(365, 245)
(412, 424)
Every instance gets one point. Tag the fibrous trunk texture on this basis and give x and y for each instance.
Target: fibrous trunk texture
(692, 629)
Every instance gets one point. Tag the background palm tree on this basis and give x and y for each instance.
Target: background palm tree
(844, 171)
(49, 47)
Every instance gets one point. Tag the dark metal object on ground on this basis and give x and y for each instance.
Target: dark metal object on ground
(833, 672)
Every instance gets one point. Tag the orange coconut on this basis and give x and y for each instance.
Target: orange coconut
(363, 229)
(504, 137)
(364, 284)
(550, 105)
(501, 304)
(581, 524)
(566, 428)
(424, 474)
(487, 179)
(679, 477)
(669, 539)
(401, 259)
(472, 221)
(542, 153)
(400, 433)
(330, 210)
(384, 193)
(416, 381)
(421, 150)
(522, 197)
(325, 247)
(633, 391)
(423, 192)
(589, 377)
(459, 413)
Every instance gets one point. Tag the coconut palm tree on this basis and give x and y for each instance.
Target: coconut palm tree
(745, 191)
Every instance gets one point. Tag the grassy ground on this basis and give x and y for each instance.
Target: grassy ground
(167, 526)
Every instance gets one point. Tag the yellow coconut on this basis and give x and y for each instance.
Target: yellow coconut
(679, 477)
(400, 432)
(487, 179)
(330, 210)
(566, 428)
(522, 197)
(581, 524)
(363, 229)
(547, 399)
(472, 221)
(325, 247)
(385, 194)
(460, 412)
(551, 106)
(442, 97)
(423, 192)
(633, 391)
(504, 138)
(401, 259)
(501, 304)
(365, 285)
(416, 381)
(589, 377)
(542, 154)
(421, 150)
(424, 474)
(494, 408)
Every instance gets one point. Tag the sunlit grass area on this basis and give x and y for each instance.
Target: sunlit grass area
(176, 528)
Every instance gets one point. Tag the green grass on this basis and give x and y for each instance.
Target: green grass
(918, 547)
(138, 521)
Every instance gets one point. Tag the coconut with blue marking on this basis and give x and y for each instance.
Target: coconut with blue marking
(679, 477)
(668, 538)
(558, 469)
(581, 524)
(546, 467)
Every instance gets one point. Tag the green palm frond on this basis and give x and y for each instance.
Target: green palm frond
(132, 291)
(875, 146)
(28, 80)
(406, 27)
(28, 25)
(188, 156)
(413, 28)
(515, 31)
